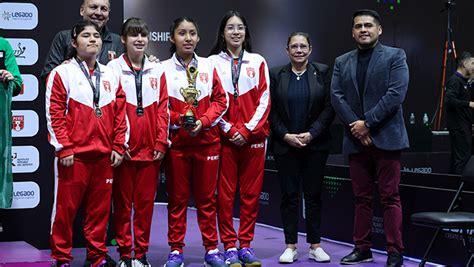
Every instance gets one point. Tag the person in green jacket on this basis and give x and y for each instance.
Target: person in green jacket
(10, 85)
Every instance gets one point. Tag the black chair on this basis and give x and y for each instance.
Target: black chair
(453, 218)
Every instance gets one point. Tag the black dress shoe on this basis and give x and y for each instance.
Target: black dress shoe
(357, 256)
(394, 259)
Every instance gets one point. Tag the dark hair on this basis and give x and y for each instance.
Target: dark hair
(367, 12)
(462, 57)
(220, 44)
(304, 34)
(174, 26)
(76, 30)
(134, 26)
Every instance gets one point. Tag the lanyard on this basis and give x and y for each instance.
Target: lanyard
(235, 67)
(138, 84)
(96, 88)
(192, 64)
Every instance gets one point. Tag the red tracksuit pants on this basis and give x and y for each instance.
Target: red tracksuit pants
(192, 169)
(245, 166)
(87, 183)
(135, 185)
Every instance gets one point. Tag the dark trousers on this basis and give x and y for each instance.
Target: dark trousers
(461, 141)
(306, 167)
(365, 168)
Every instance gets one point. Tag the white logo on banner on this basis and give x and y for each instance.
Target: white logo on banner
(26, 195)
(159, 36)
(25, 123)
(25, 159)
(18, 16)
(29, 90)
(25, 50)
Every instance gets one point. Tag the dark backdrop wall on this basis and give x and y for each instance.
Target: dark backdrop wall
(416, 26)
(33, 224)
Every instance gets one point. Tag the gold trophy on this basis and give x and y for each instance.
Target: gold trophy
(190, 95)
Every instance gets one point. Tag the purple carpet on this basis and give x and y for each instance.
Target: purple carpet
(21, 254)
(268, 244)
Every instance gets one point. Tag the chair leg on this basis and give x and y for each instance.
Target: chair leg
(466, 242)
(430, 246)
(470, 263)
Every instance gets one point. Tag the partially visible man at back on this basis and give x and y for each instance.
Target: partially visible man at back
(96, 11)
(459, 107)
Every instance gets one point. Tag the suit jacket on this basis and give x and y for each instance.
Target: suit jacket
(320, 112)
(386, 85)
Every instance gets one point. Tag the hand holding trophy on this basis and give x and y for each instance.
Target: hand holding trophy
(190, 95)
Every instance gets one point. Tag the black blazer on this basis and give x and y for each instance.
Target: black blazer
(320, 112)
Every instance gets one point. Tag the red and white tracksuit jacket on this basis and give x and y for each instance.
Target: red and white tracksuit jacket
(193, 161)
(74, 129)
(136, 180)
(247, 115)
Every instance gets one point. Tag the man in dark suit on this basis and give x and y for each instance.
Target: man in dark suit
(299, 118)
(368, 87)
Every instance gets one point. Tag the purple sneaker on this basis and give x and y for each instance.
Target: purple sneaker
(107, 262)
(232, 258)
(61, 264)
(175, 259)
(247, 257)
(214, 260)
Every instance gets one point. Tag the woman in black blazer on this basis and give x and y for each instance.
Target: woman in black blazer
(299, 119)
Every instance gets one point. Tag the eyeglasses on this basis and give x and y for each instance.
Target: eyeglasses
(295, 47)
(231, 28)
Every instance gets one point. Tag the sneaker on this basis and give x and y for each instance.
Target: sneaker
(141, 262)
(232, 258)
(289, 255)
(319, 255)
(357, 256)
(175, 259)
(107, 262)
(125, 262)
(61, 264)
(247, 257)
(394, 259)
(214, 258)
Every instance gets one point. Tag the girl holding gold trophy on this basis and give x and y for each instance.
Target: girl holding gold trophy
(197, 102)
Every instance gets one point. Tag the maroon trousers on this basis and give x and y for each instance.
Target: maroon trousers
(135, 185)
(87, 183)
(243, 165)
(366, 168)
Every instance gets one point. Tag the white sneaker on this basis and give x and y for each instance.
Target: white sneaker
(319, 255)
(289, 255)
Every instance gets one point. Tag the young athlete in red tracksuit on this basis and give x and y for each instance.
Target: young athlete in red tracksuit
(193, 159)
(136, 179)
(244, 129)
(87, 129)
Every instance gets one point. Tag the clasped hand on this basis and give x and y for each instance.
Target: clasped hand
(359, 131)
(298, 140)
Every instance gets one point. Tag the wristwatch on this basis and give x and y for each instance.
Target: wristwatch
(366, 124)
